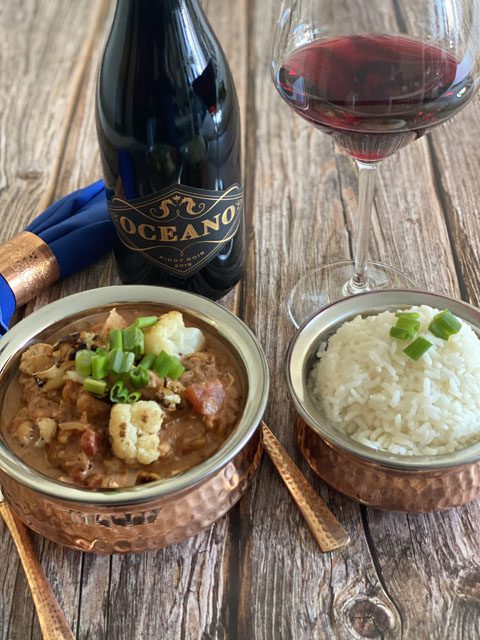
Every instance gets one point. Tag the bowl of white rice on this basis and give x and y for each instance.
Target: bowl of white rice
(386, 429)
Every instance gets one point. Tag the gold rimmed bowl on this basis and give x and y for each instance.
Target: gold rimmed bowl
(156, 514)
(374, 477)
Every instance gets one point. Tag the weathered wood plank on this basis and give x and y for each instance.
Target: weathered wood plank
(43, 52)
(455, 163)
(81, 166)
(455, 153)
(302, 193)
(429, 563)
(289, 589)
(41, 74)
(447, 579)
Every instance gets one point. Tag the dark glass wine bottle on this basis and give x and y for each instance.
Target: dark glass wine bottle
(169, 132)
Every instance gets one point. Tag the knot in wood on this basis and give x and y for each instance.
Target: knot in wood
(370, 618)
(29, 174)
(468, 585)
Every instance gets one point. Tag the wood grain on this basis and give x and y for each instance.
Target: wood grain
(50, 616)
(256, 574)
(300, 222)
(44, 49)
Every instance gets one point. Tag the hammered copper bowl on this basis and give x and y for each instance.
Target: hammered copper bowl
(156, 514)
(376, 478)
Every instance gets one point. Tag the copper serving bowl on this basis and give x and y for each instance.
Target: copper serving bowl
(374, 477)
(159, 513)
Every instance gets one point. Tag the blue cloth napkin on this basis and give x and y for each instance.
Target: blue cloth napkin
(7, 305)
(78, 230)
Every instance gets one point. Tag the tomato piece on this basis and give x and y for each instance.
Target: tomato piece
(91, 442)
(206, 398)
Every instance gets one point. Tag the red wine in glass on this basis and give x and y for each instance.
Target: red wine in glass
(375, 93)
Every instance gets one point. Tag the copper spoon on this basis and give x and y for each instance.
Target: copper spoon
(326, 529)
(52, 620)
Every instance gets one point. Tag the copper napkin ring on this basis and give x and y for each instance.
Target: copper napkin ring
(28, 265)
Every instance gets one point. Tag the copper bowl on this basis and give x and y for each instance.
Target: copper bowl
(373, 477)
(156, 514)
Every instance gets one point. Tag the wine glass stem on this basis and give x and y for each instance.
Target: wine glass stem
(366, 191)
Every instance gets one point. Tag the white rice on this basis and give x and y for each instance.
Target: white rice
(379, 396)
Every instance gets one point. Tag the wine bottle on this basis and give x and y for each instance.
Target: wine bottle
(168, 126)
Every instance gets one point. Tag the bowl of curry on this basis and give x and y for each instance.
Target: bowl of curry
(129, 417)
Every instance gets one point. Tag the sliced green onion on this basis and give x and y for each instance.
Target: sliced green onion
(128, 361)
(101, 352)
(134, 397)
(99, 367)
(128, 336)
(417, 348)
(146, 322)
(119, 393)
(162, 364)
(134, 340)
(115, 339)
(176, 370)
(83, 362)
(139, 377)
(147, 361)
(139, 349)
(168, 366)
(401, 334)
(115, 359)
(409, 324)
(120, 362)
(444, 325)
(98, 387)
(407, 314)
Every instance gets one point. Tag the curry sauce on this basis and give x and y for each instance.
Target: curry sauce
(67, 433)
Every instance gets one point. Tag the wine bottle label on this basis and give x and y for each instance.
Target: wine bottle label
(181, 228)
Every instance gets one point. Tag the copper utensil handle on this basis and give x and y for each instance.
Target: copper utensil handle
(52, 620)
(326, 529)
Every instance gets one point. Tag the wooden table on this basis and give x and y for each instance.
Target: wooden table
(257, 573)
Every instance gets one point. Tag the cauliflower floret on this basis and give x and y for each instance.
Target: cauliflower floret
(47, 428)
(135, 431)
(50, 379)
(171, 335)
(37, 358)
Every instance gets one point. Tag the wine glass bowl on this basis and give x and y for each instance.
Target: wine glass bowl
(374, 93)
(375, 76)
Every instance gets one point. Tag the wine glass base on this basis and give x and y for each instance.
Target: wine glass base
(331, 282)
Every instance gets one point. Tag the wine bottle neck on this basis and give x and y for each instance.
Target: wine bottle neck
(132, 8)
(150, 18)
(147, 33)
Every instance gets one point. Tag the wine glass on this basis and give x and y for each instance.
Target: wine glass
(375, 76)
